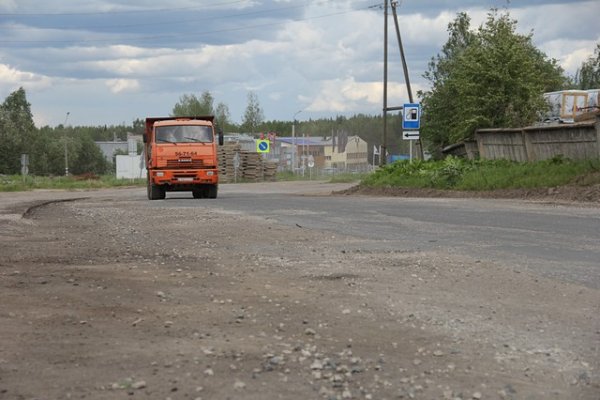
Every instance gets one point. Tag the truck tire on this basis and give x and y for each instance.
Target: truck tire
(199, 193)
(211, 192)
(155, 192)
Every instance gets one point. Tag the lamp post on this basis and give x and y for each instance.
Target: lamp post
(294, 142)
(65, 141)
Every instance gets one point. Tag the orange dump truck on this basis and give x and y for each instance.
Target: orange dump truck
(181, 155)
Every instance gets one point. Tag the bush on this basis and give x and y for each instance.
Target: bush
(460, 174)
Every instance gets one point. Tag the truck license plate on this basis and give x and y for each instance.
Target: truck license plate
(185, 179)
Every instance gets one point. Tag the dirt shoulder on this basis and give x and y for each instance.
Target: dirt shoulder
(110, 297)
(561, 194)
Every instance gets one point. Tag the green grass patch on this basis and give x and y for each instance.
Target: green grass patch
(289, 176)
(340, 177)
(17, 183)
(347, 177)
(459, 174)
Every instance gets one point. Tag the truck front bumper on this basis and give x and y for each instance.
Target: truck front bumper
(184, 177)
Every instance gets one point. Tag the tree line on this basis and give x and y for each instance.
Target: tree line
(490, 76)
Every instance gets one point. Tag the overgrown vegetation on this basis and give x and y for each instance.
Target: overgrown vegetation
(488, 78)
(460, 174)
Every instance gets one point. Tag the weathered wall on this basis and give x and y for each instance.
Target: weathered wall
(466, 149)
(577, 141)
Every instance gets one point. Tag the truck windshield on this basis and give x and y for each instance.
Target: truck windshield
(184, 134)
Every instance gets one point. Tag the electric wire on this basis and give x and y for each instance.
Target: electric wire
(179, 35)
(114, 12)
(172, 22)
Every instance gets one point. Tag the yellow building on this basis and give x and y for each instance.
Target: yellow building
(347, 154)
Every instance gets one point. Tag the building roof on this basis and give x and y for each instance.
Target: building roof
(306, 141)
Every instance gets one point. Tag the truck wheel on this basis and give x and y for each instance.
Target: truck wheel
(212, 192)
(155, 192)
(198, 193)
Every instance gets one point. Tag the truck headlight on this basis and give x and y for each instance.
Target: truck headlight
(210, 173)
(160, 173)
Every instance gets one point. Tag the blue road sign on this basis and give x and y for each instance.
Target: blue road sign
(411, 116)
(262, 146)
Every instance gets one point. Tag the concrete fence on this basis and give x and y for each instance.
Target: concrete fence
(577, 141)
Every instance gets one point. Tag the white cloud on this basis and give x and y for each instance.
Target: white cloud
(348, 96)
(11, 79)
(418, 29)
(570, 53)
(8, 5)
(562, 31)
(123, 85)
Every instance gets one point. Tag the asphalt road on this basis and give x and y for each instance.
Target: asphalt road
(558, 241)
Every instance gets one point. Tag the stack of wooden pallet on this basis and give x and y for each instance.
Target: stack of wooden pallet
(252, 167)
(226, 167)
(252, 170)
(270, 171)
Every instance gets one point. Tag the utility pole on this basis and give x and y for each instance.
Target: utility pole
(405, 68)
(394, 4)
(65, 141)
(294, 142)
(383, 155)
(404, 64)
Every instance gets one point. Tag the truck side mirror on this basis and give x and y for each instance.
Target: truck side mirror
(145, 138)
(221, 138)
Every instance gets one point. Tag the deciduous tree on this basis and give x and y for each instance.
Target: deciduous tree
(223, 116)
(17, 131)
(191, 106)
(493, 77)
(89, 158)
(253, 116)
(588, 75)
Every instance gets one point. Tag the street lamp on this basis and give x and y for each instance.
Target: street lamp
(294, 142)
(65, 141)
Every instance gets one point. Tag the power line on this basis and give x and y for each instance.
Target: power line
(175, 36)
(151, 10)
(173, 22)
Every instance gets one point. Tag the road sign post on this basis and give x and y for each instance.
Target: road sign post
(411, 123)
(236, 166)
(311, 164)
(410, 135)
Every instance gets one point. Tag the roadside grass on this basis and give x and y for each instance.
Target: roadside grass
(348, 177)
(459, 174)
(451, 173)
(289, 176)
(342, 177)
(18, 183)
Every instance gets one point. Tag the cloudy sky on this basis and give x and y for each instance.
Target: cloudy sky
(112, 61)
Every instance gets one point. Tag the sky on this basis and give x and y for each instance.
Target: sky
(109, 62)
